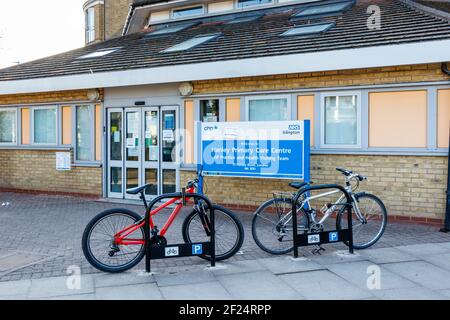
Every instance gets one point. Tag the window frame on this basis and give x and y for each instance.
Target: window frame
(323, 144)
(15, 134)
(268, 97)
(93, 133)
(237, 7)
(189, 15)
(49, 107)
(90, 29)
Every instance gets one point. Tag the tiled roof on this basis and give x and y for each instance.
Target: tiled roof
(399, 24)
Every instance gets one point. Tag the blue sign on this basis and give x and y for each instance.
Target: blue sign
(333, 236)
(197, 248)
(275, 149)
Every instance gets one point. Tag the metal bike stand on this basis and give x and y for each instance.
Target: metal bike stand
(317, 238)
(184, 249)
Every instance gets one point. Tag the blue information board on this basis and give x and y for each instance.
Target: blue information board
(266, 149)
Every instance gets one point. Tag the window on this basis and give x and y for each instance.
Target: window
(308, 29)
(44, 125)
(341, 116)
(268, 109)
(191, 43)
(209, 110)
(184, 12)
(8, 126)
(98, 53)
(90, 25)
(84, 133)
(245, 19)
(250, 3)
(323, 10)
(171, 29)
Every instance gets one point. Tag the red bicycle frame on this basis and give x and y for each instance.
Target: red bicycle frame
(120, 237)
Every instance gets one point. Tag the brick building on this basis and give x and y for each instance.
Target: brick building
(372, 72)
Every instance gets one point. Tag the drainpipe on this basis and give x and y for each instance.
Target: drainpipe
(446, 228)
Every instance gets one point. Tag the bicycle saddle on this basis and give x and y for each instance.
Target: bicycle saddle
(298, 185)
(136, 190)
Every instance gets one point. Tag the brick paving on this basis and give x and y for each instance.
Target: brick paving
(52, 226)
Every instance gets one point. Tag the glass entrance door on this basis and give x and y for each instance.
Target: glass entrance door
(143, 148)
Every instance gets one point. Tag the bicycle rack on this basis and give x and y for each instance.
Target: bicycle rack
(183, 249)
(318, 238)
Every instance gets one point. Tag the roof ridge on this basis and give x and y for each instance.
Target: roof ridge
(431, 11)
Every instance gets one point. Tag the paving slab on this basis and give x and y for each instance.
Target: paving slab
(212, 290)
(119, 279)
(57, 286)
(323, 284)
(146, 291)
(180, 278)
(233, 267)
(281, 265)
(441, 260)
(257, 285)
(358, 274)
(423, 273)
(12, 288)
(89, 296)
(387, 255)
(424, 249)
(417, 293)
(333, 257)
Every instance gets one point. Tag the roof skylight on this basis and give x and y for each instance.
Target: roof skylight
(245, 19)
(98, 53)
(308, 29)
(171, 29)
(321, 10)
(191, 43)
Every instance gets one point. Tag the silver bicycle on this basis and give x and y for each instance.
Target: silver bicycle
(272, 221)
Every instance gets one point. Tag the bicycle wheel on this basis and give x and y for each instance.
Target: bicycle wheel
(228, 229)
(98, 241)
(272, 225)
(374, 212)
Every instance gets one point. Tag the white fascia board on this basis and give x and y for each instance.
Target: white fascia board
(381, 56)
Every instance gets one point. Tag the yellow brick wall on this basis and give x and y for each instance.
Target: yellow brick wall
(370, 76)
(116, 12)
(35, 170)
(46, 97)
(408, 185)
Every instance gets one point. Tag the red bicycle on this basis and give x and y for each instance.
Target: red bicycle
(113, 241)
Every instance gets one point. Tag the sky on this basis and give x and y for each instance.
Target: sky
(33, 29)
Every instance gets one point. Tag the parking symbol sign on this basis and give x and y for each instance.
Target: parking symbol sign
(333, 236)
(197, 249)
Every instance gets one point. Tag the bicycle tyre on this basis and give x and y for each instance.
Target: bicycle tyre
(86, 241)
(218, 210)
(257, 216)
(342, 223)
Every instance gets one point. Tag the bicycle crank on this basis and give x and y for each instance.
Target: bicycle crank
(158, 240)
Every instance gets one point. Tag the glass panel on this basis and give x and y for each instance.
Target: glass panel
(132, 177)
(45, 125)
(341, 124)
(177, 13)
(308, 30)
(169, 180)
(268, 110)
(151, 176)
(249, 3)
(168, 136)
(8, 126)
(116, 180)
(84, 133)
(324, 9)
(151, 136)
(209, 110)
(132, 137)
(115, 129)
(188, 44)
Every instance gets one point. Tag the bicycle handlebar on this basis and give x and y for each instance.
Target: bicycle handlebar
(351, 174)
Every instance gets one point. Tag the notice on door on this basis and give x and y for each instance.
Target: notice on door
(63, 162)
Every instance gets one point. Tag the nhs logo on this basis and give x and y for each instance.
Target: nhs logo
(197, 249)
(333, 236)
(294, 127)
